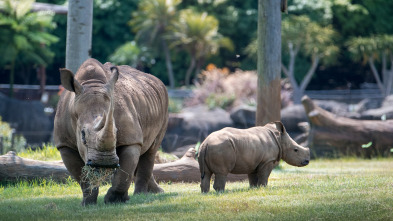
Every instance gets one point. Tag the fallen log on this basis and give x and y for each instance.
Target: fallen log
(13, 167)
(330, 134)
(185, 169)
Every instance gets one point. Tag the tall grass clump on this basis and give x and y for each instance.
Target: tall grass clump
(46, 153)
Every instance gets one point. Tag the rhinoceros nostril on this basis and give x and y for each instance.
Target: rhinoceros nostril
(89, 163)
(305, 162)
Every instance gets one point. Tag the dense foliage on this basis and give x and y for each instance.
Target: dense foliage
(237, 21)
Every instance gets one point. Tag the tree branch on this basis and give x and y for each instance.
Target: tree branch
(310, 73)
(376, 74)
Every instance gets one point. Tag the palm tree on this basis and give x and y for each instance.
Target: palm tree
(370, 49)
(23, 37)
(151, 22)
(197, 34)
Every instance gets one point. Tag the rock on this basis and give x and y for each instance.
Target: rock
(243, 116)
(193, 125)
(291, 116)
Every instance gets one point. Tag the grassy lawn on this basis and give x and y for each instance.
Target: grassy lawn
(346, 189)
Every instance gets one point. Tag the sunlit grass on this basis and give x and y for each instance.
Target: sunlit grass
(46, 153)
(349, 189)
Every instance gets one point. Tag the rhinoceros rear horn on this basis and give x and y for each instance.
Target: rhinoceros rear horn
(69, 82)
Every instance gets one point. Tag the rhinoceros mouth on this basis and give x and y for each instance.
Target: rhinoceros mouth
(101, 159)
(305, 162)
(91, 164)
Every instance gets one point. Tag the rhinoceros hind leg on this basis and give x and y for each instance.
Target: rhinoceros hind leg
(219, 182)
(144, 172)
(128, 157)
(253, 179)
(205, 181)
(152, 186)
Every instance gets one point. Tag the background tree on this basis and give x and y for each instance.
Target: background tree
(300, 35)
(23, 37)
(151, 22)
(269, 59)
(372, 50)
(197, 34)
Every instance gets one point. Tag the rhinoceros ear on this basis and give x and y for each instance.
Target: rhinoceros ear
(280, 126)
(68, 81)
(113, 80)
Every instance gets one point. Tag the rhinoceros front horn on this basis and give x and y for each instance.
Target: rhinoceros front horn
(107, 135)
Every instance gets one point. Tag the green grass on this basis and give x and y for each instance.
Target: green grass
(349, 189)
(46, 153)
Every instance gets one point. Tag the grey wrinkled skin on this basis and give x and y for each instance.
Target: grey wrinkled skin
(110, 116)
(254, 151)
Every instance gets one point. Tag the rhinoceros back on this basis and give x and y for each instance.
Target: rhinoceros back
(141, 108)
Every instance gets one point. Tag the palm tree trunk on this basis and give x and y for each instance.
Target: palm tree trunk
(168, 63)
(189, 71)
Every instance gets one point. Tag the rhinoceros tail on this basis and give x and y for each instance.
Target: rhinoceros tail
(201, 158)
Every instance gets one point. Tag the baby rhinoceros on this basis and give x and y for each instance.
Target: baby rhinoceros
(254, 151)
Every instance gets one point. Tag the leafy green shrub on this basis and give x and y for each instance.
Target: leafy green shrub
(6, 133)
(46, 153)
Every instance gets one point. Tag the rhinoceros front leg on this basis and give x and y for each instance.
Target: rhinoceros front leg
(264, 172)
(128, 159)
(74, 163)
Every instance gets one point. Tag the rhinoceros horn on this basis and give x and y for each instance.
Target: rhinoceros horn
(107, 135)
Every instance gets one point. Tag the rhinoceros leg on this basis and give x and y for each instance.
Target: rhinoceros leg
(144, 173)
(219, 182)
(205, 181)
(74, 163)
(264, 173)
(253, 179)
(128, 157)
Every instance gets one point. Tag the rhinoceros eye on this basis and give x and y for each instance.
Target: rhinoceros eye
(295, 150)
(84, 137)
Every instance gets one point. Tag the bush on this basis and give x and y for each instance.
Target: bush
(6, 134)
(219, 88)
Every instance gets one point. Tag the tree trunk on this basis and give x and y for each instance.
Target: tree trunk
(79, 33)
(376, 75)
(269, 62)
(168, 63)
(331, 135)
(189, 71)
(13, 168)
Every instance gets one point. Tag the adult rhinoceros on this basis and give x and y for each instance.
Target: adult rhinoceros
(111, 116)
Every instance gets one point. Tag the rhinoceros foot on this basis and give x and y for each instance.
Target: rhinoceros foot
(89, 197)
(116, 197)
